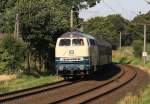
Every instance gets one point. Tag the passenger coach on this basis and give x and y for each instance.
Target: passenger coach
(77, 53)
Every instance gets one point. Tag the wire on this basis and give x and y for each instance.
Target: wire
(128, 11)
(121, 6)
(109, 6)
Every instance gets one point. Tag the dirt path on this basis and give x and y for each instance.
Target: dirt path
(7, 77)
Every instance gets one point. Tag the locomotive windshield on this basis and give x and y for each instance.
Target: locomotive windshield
(64, 42)
(77, 42)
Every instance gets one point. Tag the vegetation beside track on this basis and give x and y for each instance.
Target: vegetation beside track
(142, 98)
(126, 56)
(27, 81)
(13, 61)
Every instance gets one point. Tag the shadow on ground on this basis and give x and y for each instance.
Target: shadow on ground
(103, 73)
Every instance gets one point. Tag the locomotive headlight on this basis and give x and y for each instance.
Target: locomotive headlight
(61, 59)
(81, 67)
(61, 67)
(82, 58)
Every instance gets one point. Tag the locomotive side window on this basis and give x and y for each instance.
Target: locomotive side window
(64, 42)
(77, 42)
(92, 42)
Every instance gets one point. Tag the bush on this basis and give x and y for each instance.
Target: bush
(12, 54)
(137, 47)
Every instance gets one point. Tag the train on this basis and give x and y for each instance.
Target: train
(80, 54)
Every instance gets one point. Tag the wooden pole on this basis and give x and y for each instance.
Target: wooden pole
(71, 20)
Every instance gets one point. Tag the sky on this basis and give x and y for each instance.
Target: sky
(127, 8)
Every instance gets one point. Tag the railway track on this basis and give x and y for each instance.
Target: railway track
(101, 90)
(27, 92)
(72, 92)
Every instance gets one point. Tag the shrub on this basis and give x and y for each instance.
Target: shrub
(137, 47)
(12, 54)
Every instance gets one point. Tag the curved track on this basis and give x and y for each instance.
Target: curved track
(101, 83)
(92, 94)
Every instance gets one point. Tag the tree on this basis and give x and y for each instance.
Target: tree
(142, 19)
(41, 21)
(106, 28)
(7, 15)
(8, 12)
(81, 3)
(6, 4)
(12, 54)
(137, 46)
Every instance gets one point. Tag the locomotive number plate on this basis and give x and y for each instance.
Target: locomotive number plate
(71, 51)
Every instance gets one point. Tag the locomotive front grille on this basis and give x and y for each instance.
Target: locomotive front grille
(72, 65)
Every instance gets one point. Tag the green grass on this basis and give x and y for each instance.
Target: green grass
(126, 56)
(26, 82)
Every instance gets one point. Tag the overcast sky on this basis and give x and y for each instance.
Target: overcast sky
(127, 8)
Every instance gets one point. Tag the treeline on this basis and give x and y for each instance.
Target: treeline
(40, 22)
(109, 28)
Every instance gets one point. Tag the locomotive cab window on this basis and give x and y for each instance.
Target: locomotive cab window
(92, 42)
(77, 42)
(64, 42)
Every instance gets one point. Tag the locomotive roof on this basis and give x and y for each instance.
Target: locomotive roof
(103, 42)
(76, 34)
(80, 34)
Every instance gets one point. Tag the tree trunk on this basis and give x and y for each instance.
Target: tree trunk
(28, 61)
(40, 63)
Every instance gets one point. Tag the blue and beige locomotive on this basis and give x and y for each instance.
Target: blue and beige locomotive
(79, 54)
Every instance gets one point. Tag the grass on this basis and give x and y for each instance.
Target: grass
(27, 82)
(142, 98)
(125, 56)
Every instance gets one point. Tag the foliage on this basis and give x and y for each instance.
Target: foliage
(12, 54)
(7, 14)
(81, 3)
(137, 46)
(41, 22)
(9, 8)
(143, 96)
(26, 82)
(109, 27)
(139, 29)
(148, 48)
(106, 27)
(124, 60)
(128, 58)
(5, 4)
